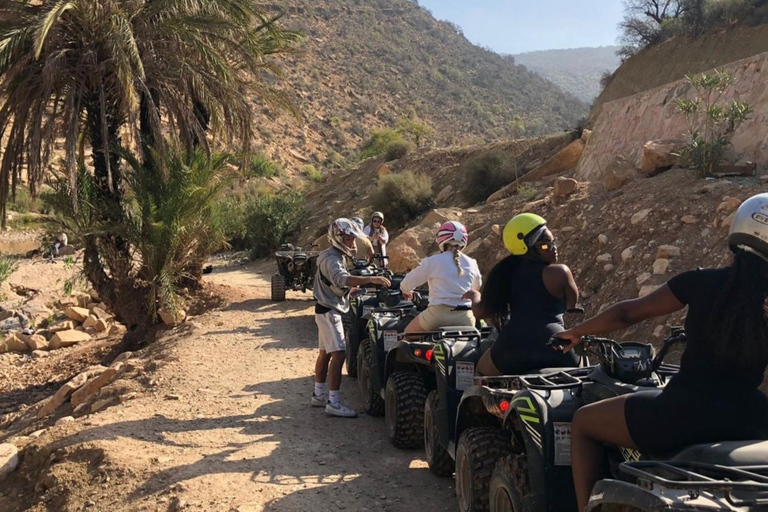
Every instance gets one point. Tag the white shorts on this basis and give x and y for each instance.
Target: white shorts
(330, 332)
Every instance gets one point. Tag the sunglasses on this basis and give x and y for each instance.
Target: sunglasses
(547, 245)
(376, 221)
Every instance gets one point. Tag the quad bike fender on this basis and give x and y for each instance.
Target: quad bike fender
(474, 410)
(615, 495)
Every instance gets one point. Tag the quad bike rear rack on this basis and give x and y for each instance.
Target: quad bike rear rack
(698, 477)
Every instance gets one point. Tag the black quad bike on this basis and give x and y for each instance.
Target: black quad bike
(295, 271)
(362, 302)
(513, 450)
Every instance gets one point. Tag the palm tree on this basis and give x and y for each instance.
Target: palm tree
(100, 71)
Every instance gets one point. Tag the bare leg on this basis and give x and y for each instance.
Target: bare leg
(334, 371)
(593, 425)
(485, 366)
(321, 366)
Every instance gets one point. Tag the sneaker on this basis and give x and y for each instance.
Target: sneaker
(340, 410)
(319, 401)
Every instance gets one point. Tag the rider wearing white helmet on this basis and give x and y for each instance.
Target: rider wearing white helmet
(378, 235)
(331, 291)
(715, 395)
(450, 274)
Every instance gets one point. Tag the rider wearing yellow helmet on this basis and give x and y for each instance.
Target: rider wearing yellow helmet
(525, 296)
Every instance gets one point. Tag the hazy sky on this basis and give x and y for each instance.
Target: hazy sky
(516, 26)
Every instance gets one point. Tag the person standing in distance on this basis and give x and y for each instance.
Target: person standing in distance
(378, 236)
(331, 291)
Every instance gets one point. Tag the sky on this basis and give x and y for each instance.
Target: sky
(517, 26)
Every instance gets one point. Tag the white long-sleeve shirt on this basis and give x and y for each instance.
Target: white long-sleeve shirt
(446, 286)
(383, 235)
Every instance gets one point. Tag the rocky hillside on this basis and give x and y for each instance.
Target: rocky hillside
(575, 70)
(363, 65)
(673, 59)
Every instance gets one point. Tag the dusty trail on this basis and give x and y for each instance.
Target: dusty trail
(228, 427)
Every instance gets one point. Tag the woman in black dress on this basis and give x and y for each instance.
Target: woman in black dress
(715, 396)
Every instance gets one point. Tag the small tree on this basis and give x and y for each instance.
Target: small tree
(711, 120)
(403, 197)
(273, 219)
(377, 143)
(413, 129)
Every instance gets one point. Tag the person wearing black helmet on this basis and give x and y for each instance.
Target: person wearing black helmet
(715, 395)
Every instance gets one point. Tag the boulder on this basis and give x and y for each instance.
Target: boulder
(36, 342)
(36, 312)
(102, 325)
(688, 219)
(444, 194)
(170, 318)
(94, 384)
(67, 338)
(62, 325)
(117, 330)
(660, 266)
(605, 258)
(668, 251)
(77, 314)
(101, 313)
(565, 186)
(602, 240)
(628, 253)
(12, 343)
(660, 155)
(640, 216)
(62, 395)
(9, 459)
(407, 250)
(729, 204)
(563, 161)
(64, 420)
(90, 321)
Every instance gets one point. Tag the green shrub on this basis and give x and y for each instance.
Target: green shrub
(263, 167)
(378, 142)
(23, 202)
(7, 267)
(273, 219)
(527, 191)
(403, 197)
(397, 149)
(312, 173)
(486, 173)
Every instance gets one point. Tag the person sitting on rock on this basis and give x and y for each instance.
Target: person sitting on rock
(525, 296)
(379, 237)
(449, 274)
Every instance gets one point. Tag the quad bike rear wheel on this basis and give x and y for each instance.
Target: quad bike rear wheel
(479, 450)
(372, 402)
(405, 396)
(509, 484)
(278, 288)
(438, 458)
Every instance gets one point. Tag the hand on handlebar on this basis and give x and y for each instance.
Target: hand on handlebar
(407, 295)
(564, 341)
(380, 281)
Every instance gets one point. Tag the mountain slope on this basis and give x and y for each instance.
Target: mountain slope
(363, 65)
(576, 70)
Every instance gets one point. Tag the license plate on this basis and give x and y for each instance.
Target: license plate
(390, 338)
(465, 375)
(562, 444)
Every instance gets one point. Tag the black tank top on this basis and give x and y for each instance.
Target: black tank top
(536, 315)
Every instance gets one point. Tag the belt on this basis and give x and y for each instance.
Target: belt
(462, 308)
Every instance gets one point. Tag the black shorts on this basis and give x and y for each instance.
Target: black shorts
(681, 415)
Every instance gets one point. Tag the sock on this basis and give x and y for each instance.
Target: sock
(319, 388)
(334, 397)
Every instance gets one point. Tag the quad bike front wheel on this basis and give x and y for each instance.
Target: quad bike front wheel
(373, 404)
(404, 411)
(478, 452)
(278, 288)
(438, 458)
(509, 484)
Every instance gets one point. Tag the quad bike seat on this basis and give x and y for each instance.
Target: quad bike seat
(546, 371)
(727, 453)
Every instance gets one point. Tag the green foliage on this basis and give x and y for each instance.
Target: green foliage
(403, 196)
(413, 129)
(486, 173)
(527, 191)
(398, 149)
(273, 219)
(169, 219)
(377, 143)
(263, 167)
(23, 202)
(711, 119)
(7, 267)
(312, 173)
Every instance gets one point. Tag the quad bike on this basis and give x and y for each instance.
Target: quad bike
(295, 271)
(362, 302)
(513, 432)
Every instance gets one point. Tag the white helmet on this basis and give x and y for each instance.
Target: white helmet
(377, 215)
(451, 233)
(749, 229)
(358, 221)
(341, 227)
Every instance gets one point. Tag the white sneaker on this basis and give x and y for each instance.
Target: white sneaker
(319, 401)
(340, 410)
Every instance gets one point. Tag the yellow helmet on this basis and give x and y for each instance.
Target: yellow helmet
(518, 230)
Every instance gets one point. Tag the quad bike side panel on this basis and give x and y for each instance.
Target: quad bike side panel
(382, 331)
(542, 420)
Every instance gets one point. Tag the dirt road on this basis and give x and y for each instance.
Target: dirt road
(227, 426)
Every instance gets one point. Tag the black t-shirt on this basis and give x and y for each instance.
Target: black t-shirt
(699, 290)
